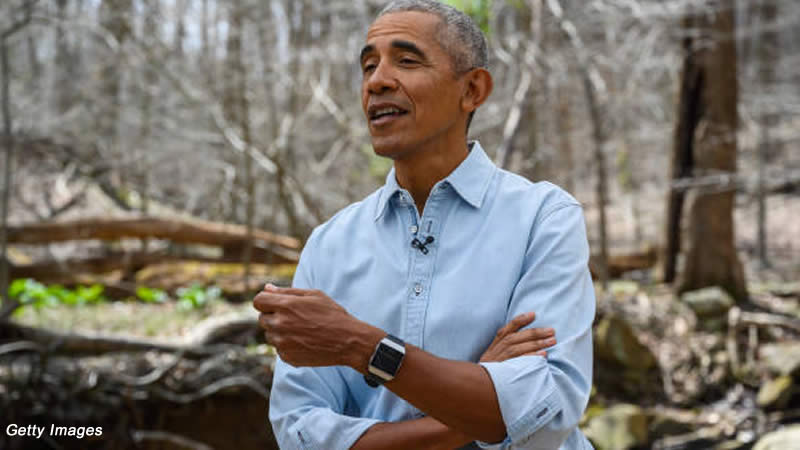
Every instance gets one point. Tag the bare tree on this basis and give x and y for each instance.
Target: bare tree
(705, 142)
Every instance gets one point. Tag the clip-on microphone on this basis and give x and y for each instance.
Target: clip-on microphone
(422, 246)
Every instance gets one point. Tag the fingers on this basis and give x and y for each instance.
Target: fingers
(269, 287)
(526, 348)
(533, 334)
(269, 303)
(273, 298)
(265, 320)
(516, 323)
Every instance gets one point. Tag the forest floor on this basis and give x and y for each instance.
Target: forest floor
(133, 318)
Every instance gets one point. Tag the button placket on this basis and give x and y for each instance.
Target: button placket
(423, 258)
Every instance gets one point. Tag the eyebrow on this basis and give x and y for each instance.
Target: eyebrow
(398, 44)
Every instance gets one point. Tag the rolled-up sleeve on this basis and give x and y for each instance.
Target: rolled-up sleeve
(307, 408)
(308, 405)
(542, 399)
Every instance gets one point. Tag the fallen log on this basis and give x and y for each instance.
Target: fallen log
(81, 344)
(65, 271)
(619, 264)
(175, 230)
(204, 340)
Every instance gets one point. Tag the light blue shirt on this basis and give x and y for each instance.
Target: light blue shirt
(502, 246)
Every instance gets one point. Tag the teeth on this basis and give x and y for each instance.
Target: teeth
(382, 111)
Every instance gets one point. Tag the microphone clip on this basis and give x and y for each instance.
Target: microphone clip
(422, 246)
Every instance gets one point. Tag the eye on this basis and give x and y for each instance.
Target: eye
(408, 61)
(366, 68)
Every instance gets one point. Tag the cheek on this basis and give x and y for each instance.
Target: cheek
(363, 99)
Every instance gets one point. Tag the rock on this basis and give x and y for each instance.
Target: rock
(781, 357)
(786, 438)
(708, 302)
(616, 342)
(619, 427)
(731, 445)
(786, 289)
(663, 425)
(775, 393)
(623, 289)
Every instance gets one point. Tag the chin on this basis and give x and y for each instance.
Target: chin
(386, 149)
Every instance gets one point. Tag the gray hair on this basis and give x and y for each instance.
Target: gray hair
(458, 34)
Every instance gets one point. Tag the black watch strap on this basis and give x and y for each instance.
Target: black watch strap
(385, 361)
(373, 380)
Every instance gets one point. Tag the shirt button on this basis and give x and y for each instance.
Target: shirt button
(413, 229)
(417, 288)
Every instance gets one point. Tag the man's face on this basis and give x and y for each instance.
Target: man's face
(409, 92)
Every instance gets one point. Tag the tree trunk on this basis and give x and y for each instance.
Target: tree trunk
(180, 29)
(64, 69)
(148, 83)
(564, 122)
(768, 58)
(594, 88)
(239, 113)
(705, 142)
(114, 17)
(681, 162)
(7, 304)
(601, 188)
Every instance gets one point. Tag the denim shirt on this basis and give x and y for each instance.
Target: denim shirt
(502, 246)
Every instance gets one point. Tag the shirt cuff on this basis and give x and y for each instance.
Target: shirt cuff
(504, 444)
(322, 429)
(527, 397)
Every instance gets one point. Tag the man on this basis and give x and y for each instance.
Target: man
(397, 297)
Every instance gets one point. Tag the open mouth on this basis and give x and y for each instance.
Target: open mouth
(385, 114)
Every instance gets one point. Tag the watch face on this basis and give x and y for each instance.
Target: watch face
(387, 359)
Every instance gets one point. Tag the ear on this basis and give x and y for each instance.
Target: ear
(478, 86)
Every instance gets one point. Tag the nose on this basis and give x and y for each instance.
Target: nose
(381, 79)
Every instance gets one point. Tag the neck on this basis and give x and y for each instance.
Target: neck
(419, 171)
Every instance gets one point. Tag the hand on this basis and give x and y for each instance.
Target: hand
(510, 342)
(308, 328)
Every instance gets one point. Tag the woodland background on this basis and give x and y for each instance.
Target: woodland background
(162, 159)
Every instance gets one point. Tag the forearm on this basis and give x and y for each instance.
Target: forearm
(426, 433)
(459, 394)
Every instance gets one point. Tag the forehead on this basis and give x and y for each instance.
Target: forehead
(416, 26)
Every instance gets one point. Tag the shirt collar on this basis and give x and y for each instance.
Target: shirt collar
(389, 190)
(470, 179)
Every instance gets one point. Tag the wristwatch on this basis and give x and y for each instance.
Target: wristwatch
(385, 361)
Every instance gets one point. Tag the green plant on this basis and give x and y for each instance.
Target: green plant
(477, 9)
(31, 293)
(151, 295)
(196, 296)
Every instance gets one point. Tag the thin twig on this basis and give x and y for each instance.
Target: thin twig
(213, 388)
